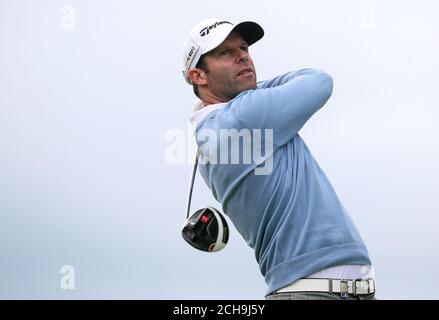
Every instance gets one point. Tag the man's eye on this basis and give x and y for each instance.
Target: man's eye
(244, 48)
(224, 52)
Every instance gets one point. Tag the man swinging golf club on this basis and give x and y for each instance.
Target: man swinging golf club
(305, 243)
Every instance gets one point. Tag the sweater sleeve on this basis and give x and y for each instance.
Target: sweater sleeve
(285, 108)
(277, 81)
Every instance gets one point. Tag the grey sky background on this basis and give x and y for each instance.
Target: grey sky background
(89, 90)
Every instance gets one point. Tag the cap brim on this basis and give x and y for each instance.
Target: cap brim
(250, 31)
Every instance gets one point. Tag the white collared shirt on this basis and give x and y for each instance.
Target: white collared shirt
(200, 112)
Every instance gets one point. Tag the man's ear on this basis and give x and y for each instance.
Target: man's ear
(197, 76)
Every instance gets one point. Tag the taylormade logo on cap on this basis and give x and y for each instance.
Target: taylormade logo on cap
(206, 30)
(190, 54)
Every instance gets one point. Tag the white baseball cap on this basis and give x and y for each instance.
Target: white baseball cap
(209, 34)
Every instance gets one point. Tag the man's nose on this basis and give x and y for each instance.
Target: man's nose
(242, 55)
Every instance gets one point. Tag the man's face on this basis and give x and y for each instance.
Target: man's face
(230, 68)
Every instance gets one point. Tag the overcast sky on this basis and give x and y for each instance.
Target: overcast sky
(89, 91)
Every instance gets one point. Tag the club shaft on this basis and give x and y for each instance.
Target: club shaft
(191, 185)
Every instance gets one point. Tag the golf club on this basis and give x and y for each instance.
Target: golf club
(206, 229)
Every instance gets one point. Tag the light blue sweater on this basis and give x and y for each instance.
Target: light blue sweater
(292, 217)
